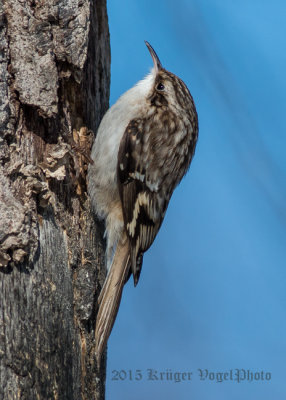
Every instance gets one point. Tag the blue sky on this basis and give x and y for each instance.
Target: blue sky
(212, 290)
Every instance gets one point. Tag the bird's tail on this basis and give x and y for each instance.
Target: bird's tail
(110, 295)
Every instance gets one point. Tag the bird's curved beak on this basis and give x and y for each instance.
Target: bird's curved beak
(155, 58)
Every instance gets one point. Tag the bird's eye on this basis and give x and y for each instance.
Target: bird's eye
(160, 86)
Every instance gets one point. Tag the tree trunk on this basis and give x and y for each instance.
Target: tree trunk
(54, 89)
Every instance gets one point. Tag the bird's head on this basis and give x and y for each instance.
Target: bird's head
(167, 88)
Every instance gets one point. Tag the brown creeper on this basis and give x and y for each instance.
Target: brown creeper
(143, 148)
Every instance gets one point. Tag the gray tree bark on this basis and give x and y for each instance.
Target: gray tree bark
(54, 90)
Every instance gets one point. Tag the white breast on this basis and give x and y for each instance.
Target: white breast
(102, 176)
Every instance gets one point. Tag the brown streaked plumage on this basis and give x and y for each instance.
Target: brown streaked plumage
(154, 129)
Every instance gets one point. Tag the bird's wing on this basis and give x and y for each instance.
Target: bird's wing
(143, 203)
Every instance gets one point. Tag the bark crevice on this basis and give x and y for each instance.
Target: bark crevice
(54, 89)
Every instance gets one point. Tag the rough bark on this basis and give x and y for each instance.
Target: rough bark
(54, 89)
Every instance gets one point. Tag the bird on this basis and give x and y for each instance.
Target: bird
(143, 147)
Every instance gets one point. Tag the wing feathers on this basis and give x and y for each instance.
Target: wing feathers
(142, 204)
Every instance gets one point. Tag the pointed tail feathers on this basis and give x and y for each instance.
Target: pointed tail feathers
(110, 295)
